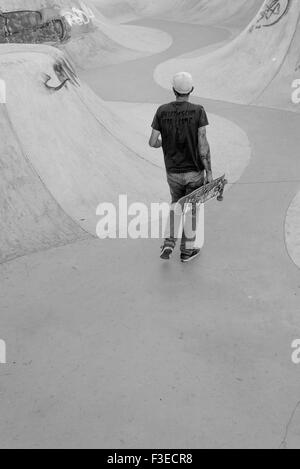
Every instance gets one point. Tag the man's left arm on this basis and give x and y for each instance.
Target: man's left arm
(204, 150)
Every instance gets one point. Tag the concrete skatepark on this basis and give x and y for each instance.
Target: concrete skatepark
(106, 346)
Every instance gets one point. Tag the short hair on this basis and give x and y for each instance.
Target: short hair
(185, 95)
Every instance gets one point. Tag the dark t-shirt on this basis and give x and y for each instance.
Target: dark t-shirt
(178, 123)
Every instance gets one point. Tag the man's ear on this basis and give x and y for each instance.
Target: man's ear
(193, 89)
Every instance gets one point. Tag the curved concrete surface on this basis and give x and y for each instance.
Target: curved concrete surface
(229, 143)
(233, 15)
(196, 11)
(151, 41)
(116, 10)
(94, 37)
(283, 92)
(31, 219)
(79, 179)
(105, 80)
(292, 230)
(261, 51)
(114, 43)
(88, 164)
(156, 355)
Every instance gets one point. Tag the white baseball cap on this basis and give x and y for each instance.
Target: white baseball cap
(183, 83)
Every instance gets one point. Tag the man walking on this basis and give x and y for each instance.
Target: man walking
(180, 129)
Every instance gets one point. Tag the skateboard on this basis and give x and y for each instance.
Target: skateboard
(203, 194)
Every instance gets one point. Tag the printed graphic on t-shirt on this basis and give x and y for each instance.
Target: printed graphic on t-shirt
(178, 124)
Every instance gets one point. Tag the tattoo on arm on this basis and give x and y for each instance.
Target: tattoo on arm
(204, 148)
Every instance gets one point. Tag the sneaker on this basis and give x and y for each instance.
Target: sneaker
(166, 252)
(189, 257)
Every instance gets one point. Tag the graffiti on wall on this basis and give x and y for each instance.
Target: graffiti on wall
(271, 14)
(29, 27)
(65, 73)
(78, 16)
(47, 25)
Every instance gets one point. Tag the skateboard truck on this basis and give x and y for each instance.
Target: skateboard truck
(220, 197)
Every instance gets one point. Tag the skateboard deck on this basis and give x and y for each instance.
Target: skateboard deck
(214, 189)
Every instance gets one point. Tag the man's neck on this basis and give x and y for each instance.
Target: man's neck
(182, 99)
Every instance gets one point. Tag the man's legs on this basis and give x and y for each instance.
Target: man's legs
(181, 185)
(178, 190)
(192, 215)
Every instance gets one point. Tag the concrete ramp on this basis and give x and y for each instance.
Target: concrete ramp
(117, 10)
(194, 11)
(243, 70)
(65, 151)
(109, 43)
(57, 142)
(93, 36)
(31, 219)
(292, 230)
(284, 91)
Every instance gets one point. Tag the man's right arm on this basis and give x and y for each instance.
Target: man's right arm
(155, 139)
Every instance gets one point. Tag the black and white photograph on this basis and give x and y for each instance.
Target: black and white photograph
(150, 227)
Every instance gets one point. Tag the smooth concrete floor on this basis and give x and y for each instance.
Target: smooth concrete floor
(109, 347)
